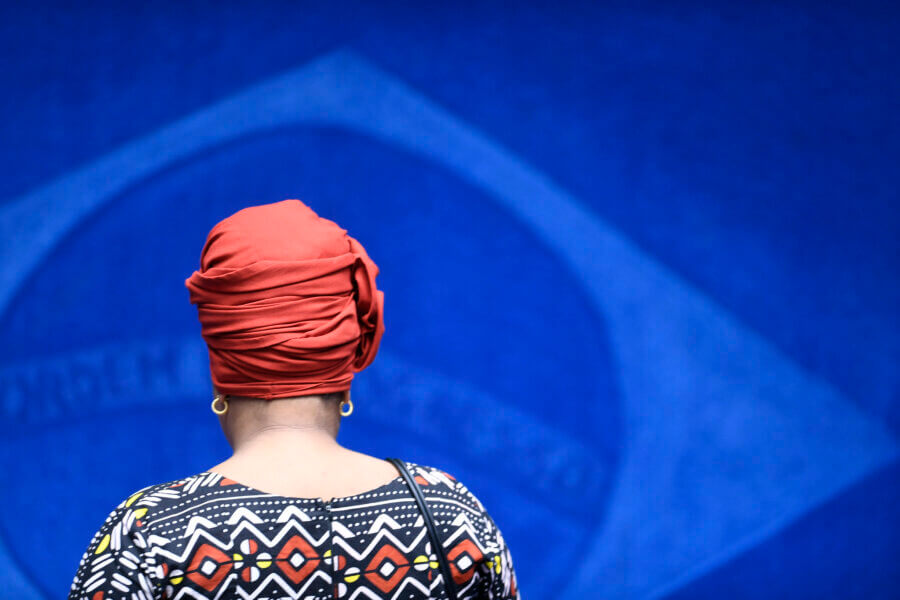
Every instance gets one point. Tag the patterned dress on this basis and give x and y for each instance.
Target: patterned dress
(207, 536)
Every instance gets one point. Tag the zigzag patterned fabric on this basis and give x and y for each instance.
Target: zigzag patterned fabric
(207, 536)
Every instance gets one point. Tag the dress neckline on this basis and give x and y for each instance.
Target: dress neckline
(315, 499)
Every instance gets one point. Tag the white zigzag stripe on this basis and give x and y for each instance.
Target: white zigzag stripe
(293, 511)
(265, 540)
(223, 517)
(242, 513)
(377, 542)
(197, 522)
(382, 521)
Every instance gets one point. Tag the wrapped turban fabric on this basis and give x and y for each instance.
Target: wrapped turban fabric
(287, 303)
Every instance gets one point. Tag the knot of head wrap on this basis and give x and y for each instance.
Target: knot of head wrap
(287, 303)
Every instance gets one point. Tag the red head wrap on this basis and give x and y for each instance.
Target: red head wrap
(287, 303)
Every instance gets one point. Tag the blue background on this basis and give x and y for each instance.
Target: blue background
(643, 256)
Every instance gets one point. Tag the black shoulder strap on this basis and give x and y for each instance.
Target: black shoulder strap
(449, 584)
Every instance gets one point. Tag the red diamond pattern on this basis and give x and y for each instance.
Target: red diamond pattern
(208, 567)
(386, 557)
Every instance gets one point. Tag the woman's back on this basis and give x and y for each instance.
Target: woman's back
(207, 536)
(290, 312)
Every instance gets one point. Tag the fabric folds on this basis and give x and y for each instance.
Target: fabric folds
(287, 303)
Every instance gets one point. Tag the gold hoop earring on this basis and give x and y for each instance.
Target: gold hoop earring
(224, 401)
(349, 402)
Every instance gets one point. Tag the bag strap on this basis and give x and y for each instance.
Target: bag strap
(449, 583)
